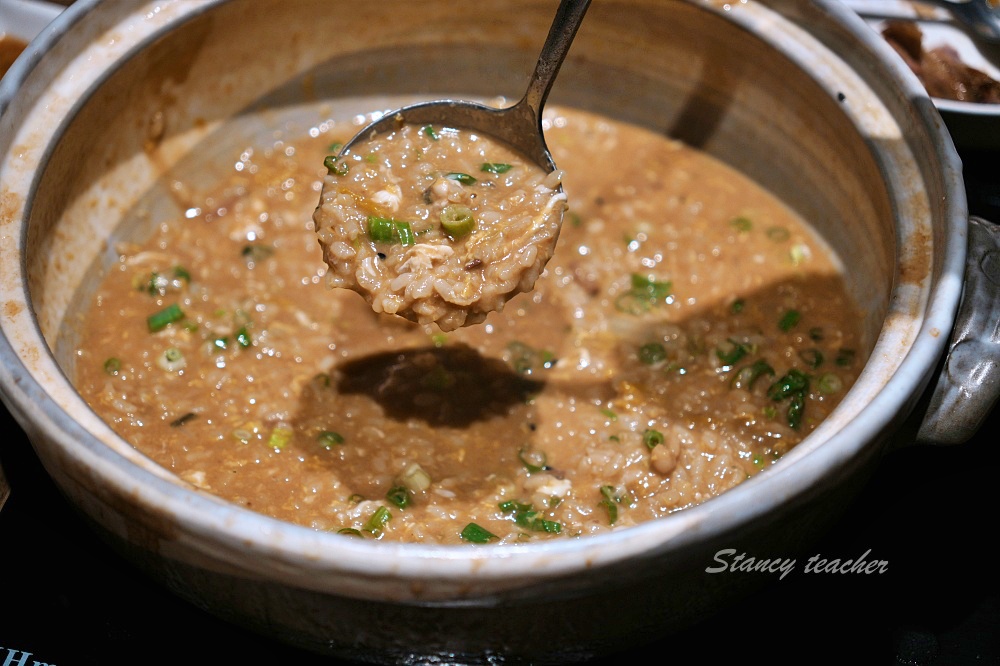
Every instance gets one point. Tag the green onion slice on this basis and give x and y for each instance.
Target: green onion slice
(329, 438)
(457, 220)
(378, 520)
(495, 167)
(789, 320)
(112, 366)
(463, 178)
(652, 438)
(388, 230)
(160, 320)
(399, 496)
(533, 461)
(829, 383)
(748, 375)
(732, 352)
(476, 534)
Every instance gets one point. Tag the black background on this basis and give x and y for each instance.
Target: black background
(67, 599)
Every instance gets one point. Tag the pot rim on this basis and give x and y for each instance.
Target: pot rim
(207, 523)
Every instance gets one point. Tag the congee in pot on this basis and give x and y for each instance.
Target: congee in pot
(688, 330)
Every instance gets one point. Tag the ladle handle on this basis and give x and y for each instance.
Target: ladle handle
(561, 33)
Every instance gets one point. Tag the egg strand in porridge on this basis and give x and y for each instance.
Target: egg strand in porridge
(688, 331)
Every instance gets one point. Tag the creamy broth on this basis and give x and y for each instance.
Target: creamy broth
(688, 331)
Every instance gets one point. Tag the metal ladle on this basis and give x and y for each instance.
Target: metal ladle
(519, 126)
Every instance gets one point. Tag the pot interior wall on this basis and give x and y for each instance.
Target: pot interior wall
(676, 67)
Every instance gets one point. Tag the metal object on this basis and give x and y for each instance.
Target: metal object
(519, 126)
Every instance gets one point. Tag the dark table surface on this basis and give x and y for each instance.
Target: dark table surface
(931, 513)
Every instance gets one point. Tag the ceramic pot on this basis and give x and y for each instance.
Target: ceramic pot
(801, 96)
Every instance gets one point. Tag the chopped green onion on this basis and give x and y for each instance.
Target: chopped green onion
(336, 166)
(387, 230)
(154, 285)
(463, 178)
(172, 360)
(794, 384)
(795, 409)
(380, 229)
(732, 353)
(791, 383)
(845, 357)
(430, 132)
(439, 339)
(476, 534)
(415, 478)
(335, 147)
(533, 461)
(645, 292)
(758, 460)
(329, 439)
(350, 531)
(378, 521)
(789, 320)
(281, 435)
(652, 438)
(405, 233)
(164, 317)
(243, 338)
(457, 220)
(829, 383)
(182, 273)
(812, 357)
(495, 167)
(816, 334)
(533, 521)
(399, 496)
(737, 306)
(741, 223)
(610, 502)
(221, 343)
(748, 375)
(513, 505)
(112, 366)
(609, 413)
(652, 353)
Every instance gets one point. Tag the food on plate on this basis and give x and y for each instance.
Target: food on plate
(688, 331)
(941, 68)
(437, 224)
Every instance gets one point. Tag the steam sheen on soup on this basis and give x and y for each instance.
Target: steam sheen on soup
(687, 332)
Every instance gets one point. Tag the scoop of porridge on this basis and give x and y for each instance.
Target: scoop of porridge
(436, 224)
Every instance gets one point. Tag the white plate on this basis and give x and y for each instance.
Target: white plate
(25, 18)
(971, 125)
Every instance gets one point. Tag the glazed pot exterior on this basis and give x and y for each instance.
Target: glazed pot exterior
(801, 96)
